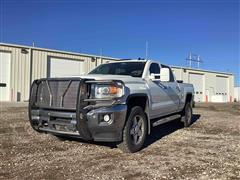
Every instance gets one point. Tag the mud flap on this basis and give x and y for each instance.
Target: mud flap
(182, 118)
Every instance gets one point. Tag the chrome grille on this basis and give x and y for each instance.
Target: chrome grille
(57, 93)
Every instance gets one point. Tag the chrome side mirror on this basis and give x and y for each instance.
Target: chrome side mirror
(165, 74)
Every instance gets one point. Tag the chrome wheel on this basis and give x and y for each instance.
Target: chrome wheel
(137, 129)
(187, 113)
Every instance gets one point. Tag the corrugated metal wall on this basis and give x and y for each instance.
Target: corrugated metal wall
(20, 73)
(209, 83)
(21, 61)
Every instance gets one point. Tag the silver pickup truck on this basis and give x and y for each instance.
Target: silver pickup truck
(116, 102)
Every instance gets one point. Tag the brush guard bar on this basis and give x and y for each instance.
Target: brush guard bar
(64, 102)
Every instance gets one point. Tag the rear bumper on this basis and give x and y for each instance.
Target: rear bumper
(65, 123)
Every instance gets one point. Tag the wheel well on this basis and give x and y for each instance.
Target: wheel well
(142, 101)
(189, 98)
(137, 100)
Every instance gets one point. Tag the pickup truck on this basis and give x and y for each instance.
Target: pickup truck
(116, 102)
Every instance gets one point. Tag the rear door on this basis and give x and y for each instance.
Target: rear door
(162, 103)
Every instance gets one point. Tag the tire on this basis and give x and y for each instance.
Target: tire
(187, 115)
(134, 132)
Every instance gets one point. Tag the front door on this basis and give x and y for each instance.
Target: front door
(162, 102)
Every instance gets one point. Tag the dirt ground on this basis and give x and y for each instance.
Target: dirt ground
(209, 149)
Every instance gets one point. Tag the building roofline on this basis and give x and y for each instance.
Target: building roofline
(58, 51)
(97, 56)
(202, 70)
(130, 60)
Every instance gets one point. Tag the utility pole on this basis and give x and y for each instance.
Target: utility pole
(194, 58)
(189, 58)
(101, 51)
(198, 61)
(146, 51)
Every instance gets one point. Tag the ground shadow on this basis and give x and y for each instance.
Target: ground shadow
(156, 133)
(106, 144)
(166, 129)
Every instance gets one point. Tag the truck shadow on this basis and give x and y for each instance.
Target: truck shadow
(156, 134)
(165, 129)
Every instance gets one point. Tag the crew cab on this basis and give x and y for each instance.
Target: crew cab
(116, 102)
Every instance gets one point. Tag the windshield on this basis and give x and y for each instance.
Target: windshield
(134, 69)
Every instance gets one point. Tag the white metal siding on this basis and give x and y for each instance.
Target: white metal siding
(198, 83)
(5, 70)
(237, 94)
(20, 69)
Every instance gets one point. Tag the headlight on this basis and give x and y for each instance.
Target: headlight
(107, 90)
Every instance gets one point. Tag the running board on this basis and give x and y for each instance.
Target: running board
(166, 119)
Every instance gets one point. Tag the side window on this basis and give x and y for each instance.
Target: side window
(154, 68)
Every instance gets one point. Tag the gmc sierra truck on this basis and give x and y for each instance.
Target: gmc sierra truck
(116, 102)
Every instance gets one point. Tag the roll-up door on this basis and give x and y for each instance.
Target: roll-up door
(197, 80)
(63, 67)
(5, 69)
(222, 87)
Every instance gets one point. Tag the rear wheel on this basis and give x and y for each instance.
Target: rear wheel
(187, 115)
(135, 131)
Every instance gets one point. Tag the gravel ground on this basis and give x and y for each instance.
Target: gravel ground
(209, 149)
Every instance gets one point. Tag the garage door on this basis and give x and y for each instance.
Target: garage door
(197, 81)
(222, 86)
(5, 65)
(58, 67)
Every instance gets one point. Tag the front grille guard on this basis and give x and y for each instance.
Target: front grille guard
(84, 102)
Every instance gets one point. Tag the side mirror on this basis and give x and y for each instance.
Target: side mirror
(165, 75)
(154, 77)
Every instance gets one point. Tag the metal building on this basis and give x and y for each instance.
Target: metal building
(20, 65)
(237, 94)
(209, 86)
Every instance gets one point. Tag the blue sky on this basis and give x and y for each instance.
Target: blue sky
(121, 28)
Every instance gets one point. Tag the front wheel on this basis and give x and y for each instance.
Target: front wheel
(187, 115)
(135, 131)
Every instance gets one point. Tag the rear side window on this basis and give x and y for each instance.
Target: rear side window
(154, 68)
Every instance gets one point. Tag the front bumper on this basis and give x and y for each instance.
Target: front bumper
(65, 123)
(104, 131)
(65, 107)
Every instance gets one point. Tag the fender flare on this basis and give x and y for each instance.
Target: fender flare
(146, 110)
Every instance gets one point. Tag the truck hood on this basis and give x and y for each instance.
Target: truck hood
(112, 77)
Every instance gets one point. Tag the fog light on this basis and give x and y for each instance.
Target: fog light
(106, 118)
